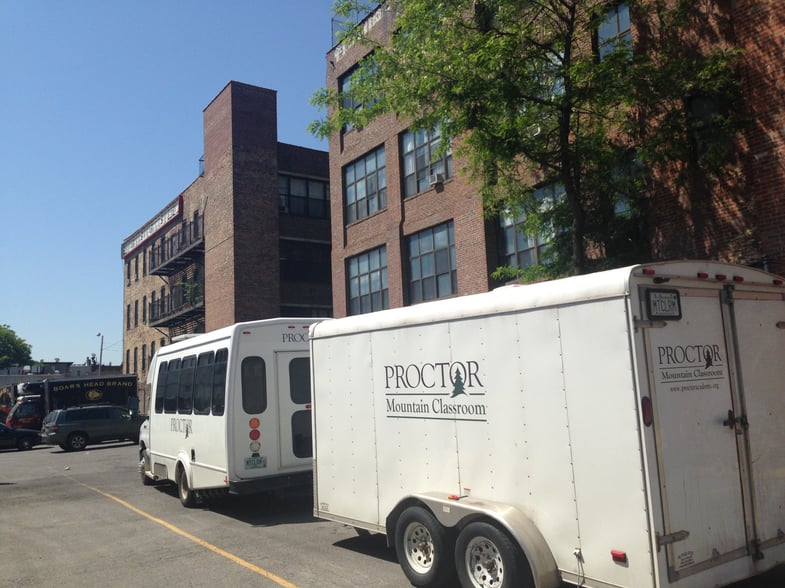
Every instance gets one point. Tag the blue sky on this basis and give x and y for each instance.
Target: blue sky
(101, 125)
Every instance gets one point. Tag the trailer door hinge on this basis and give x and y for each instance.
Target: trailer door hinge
(671, 538)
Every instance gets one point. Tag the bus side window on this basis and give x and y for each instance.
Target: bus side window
(219, 381)
(185, 394)
(160, 387)
(254, 384)
(203, 386)
(172, 383)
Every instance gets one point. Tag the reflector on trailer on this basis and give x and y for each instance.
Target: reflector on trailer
(619, 556)
(646, 409)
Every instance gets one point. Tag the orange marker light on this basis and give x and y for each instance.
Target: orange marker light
(254, 423)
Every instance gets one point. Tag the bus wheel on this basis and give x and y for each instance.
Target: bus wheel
(424, 549)
(144, 466)
(76, 442)
(187, 496)
(487, 558)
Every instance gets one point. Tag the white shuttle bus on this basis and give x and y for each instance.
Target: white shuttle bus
(230, 411)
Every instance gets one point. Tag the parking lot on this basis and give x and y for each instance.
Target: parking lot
(85, 519)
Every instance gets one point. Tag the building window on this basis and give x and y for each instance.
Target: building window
(432, 266)
(303, 197)
(365, 186)
(128, 273)
(136, 360)
(144, 262)
(144, 357)
(522, 248)
(127, 317)
(367, 275)
(144, 310)
(304, 261)
(422, 163)
(127, 361)
(614, 31)
(136, 268)
(349, 98)
(152, 349)
(136, 313)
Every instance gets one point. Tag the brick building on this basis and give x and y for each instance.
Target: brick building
(406, 229)
(248, 239)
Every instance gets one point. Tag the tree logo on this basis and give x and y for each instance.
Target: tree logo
(457, 381)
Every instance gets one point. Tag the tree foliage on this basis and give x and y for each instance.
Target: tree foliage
(520, 85)
(13, 349)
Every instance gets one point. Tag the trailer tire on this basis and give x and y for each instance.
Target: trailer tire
(424, 549)
(187, 496)
(486, 557)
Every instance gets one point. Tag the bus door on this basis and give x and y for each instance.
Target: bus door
(294, 408)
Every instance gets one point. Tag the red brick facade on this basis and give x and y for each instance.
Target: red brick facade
(229, 234)
(737, 218)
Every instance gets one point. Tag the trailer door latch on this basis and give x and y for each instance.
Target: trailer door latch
(733, 420)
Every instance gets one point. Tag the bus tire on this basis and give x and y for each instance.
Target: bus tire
(187, 496)
(144, 467)
(486, 557)
(424, 549)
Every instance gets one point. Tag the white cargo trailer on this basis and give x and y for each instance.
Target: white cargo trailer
(231, 411)
(623, 428)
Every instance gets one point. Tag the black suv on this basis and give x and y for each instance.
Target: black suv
(76, 427)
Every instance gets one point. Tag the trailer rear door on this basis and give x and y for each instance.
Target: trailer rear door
(715, 366)
(760, 330)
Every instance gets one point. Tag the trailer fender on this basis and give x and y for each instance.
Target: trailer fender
(454, 512)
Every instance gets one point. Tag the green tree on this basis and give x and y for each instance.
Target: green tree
(13, 349)
(521, 85)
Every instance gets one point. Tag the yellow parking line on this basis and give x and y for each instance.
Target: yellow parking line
(249, 566)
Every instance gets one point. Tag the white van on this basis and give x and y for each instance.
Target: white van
(618, 429)
(231, 411)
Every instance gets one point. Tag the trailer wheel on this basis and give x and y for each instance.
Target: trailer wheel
(76, 442)
(486, 557)
(424, 549)
(187, 496)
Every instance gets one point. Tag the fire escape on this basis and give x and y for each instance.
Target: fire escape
(178, 258)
